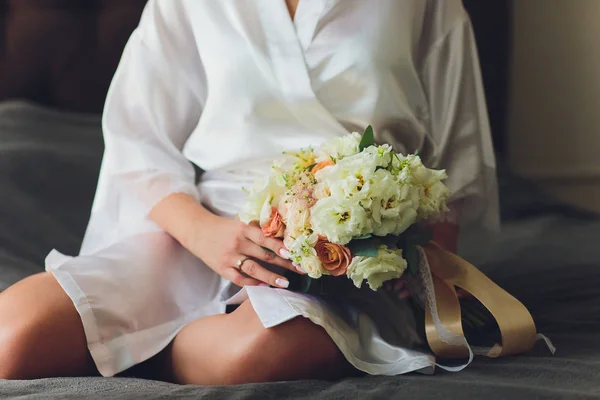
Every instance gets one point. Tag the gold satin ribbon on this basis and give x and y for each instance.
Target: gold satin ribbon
(448, 271)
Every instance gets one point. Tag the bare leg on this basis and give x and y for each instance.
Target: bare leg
(236, 348)
(41, 334)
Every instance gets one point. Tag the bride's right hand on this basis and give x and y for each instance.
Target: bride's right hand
(221, 242)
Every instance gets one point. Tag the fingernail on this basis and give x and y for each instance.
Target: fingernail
(300, 270)
(282, 283)
(284, 253)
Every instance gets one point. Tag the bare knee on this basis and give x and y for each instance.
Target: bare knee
(295, 350)
(40, 332)
(13, 334)
(251, 364)
(236, 349)
(13, 348)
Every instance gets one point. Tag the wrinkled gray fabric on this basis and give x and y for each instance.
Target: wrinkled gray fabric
(546, 255)
(571, 374)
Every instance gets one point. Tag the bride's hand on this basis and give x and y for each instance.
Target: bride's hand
(221, 242)
(232, 249)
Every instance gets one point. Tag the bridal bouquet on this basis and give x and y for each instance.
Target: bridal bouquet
(352, 208)
(349, 207)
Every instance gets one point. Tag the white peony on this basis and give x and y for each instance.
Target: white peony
(339, 147)
(397, 225)
(384, 189)
(394, 207)
(433, 194)
(408, 218)
(381, 154)
(264, 193)
(339, 219)
(434, 200)
(389, 264)
(351, 177)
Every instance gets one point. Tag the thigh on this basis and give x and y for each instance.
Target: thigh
(41, 334)
(236, 348)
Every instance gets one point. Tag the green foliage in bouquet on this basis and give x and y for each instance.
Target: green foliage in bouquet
(368, 139)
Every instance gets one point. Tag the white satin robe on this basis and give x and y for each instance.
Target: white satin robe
(229, 85)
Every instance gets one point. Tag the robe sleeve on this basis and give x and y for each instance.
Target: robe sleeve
(154, 104)
(458, 125)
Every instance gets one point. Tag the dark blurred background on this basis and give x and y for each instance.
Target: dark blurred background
(63, 53)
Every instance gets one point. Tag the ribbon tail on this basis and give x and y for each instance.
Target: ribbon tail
(448, 309)
(517, 328)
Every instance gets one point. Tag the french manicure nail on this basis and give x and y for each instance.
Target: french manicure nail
(282, 283)
(284, 253)
(300, 270)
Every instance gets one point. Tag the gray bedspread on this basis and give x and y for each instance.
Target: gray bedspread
(547, 255)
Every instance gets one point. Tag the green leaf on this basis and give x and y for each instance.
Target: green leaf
(412, 258)
(368, 139)
(364, 248)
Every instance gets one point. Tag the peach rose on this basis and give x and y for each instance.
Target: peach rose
(334, 257)
(275, 226)
(325, 163)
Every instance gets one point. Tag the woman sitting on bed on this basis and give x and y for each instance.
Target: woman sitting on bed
(229, 85)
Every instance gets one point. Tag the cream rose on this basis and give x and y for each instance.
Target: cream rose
(312, 266)
(297, 220)
(321, 191)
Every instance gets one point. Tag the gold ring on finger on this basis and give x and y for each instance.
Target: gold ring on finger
(241, 262)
